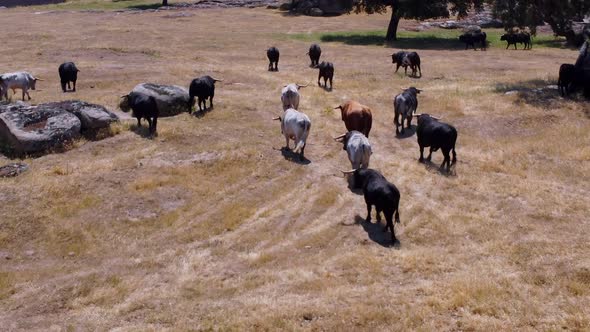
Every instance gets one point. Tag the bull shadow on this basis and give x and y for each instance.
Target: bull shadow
(143, 131)
(408, 132)
(291, 156)
(201, 113)
(435, 168)
(375, 232)
(325, 88)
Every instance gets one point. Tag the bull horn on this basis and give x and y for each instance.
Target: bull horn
(348, 172)
(417, 114)
(38, 79)
(277, 118)
(339, 137)
(339, 107)
(437, 119)
(216, 79)
(301, 86)
(124, 96)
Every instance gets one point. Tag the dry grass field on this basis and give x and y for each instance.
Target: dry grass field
(210, 227)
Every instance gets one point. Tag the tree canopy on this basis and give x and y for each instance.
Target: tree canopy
(414, 9)
(514, 13)
(559, 14)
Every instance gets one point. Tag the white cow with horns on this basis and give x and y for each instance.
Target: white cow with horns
(17, 80)
(357, 147)
(290, 96)
(295, 125)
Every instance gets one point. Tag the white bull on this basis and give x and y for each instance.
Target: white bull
(290, 96)
(18, 80)
(358, 148)
(295, 125)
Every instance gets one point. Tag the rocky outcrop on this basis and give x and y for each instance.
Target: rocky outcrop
(171, 99)
(12, 170)
(26, 129)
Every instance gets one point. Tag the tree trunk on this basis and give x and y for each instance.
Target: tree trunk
(164, 2)
(392, 28)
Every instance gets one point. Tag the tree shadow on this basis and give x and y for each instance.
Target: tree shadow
(408, 132)
(376, 233)
(416, 42)
(536, 92)
(291, 156)
(146, 7)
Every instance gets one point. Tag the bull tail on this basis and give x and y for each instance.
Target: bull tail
(301, 144)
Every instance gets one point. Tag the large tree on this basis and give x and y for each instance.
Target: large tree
(413, 9)
(560, 14)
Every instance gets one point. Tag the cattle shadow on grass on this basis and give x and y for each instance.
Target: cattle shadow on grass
(143, 131)
(408, 132)
(435, 168)
(200, 114)
(375, 232)
(289, 155)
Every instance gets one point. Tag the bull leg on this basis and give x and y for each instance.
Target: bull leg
(507, 45)
(74, 86)
(139, 121)
(421, 153)
(454, 156)
(378, 214)
(430, 154)
(402, 122)
(155, 130)
(211, 101)
(447, 160)
(409, 121)
(69, 87)
(319, 78)
(149, 120)
(515, 46)
(330, 83)
(397, 68)
(287, 142)
(396, 122)
(368, 219)
(389, 218)
(24, 95)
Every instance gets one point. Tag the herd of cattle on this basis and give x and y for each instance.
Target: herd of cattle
(295, 125)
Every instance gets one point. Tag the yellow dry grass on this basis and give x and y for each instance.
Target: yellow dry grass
(208, 227)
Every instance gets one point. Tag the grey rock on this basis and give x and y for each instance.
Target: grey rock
(171, 99)
(91, 116)
(12, 170)
(316, 12)
(28, 129)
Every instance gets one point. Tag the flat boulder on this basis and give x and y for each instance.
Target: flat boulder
(91, 116)
(28, 129)
(171, 99)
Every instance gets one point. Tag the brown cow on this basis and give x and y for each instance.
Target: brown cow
(356, 117)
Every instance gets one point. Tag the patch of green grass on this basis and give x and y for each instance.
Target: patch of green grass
(430, 39)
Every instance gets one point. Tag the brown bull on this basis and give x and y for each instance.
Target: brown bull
(356, 117)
